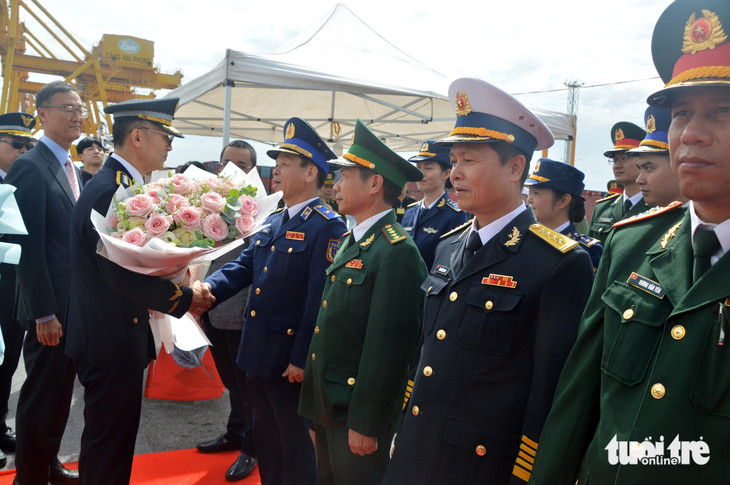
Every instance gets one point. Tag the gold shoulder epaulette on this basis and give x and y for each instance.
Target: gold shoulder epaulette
(608, 197)
(654, 211)
(415, 203)
(467, 224)
(277, 210)
(453, 205)
(123, 179)
(588, 241)
(559, 241)
(394, 234)
(328, 214)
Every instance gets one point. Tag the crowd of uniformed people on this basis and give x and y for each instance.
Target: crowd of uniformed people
(469, 337)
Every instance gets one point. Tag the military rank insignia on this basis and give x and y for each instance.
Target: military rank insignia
(123, 180)
(354, 263)
(442, 270)
(332, 247)
(499, 280)
(297, 236)
(647, 285)
(430, 230)
(306, 212)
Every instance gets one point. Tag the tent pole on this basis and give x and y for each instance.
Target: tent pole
(575, 131)
(227, 114)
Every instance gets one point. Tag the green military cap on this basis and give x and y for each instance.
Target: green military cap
(369, 151)
(625, 136)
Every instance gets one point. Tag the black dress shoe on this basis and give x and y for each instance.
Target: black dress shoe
(60, 475)
(218, 444)
(3, 460)
(7, 440)
(241, 468)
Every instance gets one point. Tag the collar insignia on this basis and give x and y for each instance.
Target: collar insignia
(514, 237)
(672, 232)
(463, 107)
(289, 131)
(703, 33)
(368, 241)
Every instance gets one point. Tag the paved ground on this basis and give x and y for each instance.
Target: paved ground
(165, 425)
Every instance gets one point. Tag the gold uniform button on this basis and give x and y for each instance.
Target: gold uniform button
(489, 305)
(316, 329)
(351, 381)
(290, 250)
(312, 356)
(658, 391)
(628, 314)
(324, 304)
(333, 278)
(349, 281)
(427, 371)
(258, 291)
(453, 296)
(441, 334)
(678, 332)
(135, 320)
(272, 249)
(258, 242)
(290, 332)
(415, 410)
(429, 289)
(481, 450)
(266, 269)
(253, 313)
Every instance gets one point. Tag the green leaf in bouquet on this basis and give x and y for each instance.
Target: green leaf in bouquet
(230, 219)
(111, 230)
(233, 206)
(234, 193)
(249, 190)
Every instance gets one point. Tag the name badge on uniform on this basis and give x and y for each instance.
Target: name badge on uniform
(355, 263)
(644, 283)
(444, 270)
(400, 210)
(297, 236)
(499, 280)
(608, 220)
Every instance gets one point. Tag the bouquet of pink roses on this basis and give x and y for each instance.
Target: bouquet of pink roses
(179, 220)
(185, 212)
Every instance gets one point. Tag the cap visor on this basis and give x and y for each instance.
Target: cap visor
(450, 140)
(664, 97)
(647, 149)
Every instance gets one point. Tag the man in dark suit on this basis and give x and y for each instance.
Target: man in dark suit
(15, 140)
(109, 337)
(285, 267)
(498, 322)
(48, 187)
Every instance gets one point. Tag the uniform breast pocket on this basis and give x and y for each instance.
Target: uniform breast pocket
(603, 226)
(290, 259)
(489, 319)
(711, 387)
(433, 286)
(261, 250)
(351, 293)
(633, 325)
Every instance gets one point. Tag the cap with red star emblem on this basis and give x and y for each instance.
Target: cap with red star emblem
(625, 136)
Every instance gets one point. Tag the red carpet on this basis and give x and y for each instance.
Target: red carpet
(183, 467)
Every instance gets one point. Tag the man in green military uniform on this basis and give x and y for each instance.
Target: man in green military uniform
(645, 395)
(614, 208)
(327, 193)
(355, 378)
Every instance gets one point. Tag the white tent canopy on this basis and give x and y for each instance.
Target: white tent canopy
(332, 73)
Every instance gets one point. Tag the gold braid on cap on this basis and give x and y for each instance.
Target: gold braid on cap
(700, 73)
(295, 148)
(359, 161)
(465, 130)
(654, 143)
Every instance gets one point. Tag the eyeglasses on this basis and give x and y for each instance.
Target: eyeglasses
(166, 135)
(70, 111)
(618, 158)
(19, 144)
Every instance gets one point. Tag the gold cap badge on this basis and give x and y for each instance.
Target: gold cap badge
(27, 120)
(424, 147)
(289, 131)
(651, 124)
(620, 134)
(463, 107)
(703, 33)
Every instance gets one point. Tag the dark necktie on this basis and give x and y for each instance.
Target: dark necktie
(472, 246)
(421, 214)
(285, 219)
(627, 206)
(705, 245)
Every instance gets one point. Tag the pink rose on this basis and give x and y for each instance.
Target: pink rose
(135, 237)
(212, 202)
(225, 186)
(188, 217)
(181, 184)
(215, 227)
(177, 202)
(244, 223)
(155, 194)
(248, 206)
(140, 205)
(114, 220)
(158, 224)
(213, 182)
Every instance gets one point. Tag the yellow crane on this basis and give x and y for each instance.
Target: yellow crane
(117, 68)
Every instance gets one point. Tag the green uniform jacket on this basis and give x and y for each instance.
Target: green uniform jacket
(366, 332)
(644, 367)
(608, 212)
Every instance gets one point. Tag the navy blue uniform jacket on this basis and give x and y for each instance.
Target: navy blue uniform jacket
(285, 266)
(443, 217)
(108, 321)
(593, 246)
